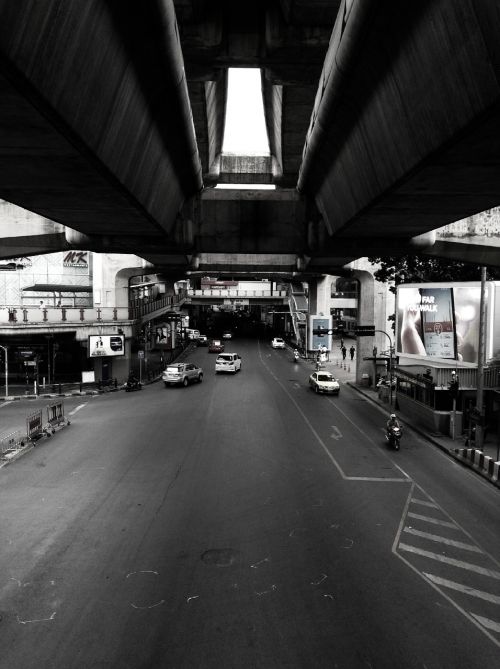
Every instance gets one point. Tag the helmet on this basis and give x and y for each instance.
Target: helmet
(393, 415)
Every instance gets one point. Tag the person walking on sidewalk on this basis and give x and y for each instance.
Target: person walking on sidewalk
(352, 351)
(344, 351)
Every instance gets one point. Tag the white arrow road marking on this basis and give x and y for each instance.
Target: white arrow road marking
(336, 434)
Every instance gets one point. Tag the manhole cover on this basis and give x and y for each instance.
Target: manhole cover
(220, 557)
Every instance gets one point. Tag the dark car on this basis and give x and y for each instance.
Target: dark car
(216, 346)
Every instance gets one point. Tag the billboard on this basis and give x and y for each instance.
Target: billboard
(440, 320)
(101, 346)
(320, 332)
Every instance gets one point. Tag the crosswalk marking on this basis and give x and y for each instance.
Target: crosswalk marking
(452, 585)
(434, 521)
(422, 502)
(486, 622)
(443, 540)
(455, 563)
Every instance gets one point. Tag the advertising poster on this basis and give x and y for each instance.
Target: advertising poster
(319, 328)
(438, 321)
(101, 346)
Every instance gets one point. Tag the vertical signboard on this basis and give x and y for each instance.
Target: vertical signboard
(320, 333)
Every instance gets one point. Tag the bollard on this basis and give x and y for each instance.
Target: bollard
(81, 387)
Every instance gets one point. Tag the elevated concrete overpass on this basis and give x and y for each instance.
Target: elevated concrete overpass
(382, 120)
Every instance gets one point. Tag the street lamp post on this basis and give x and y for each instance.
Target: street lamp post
(6, 371)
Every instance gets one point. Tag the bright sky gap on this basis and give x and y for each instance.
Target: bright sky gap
(245, 130)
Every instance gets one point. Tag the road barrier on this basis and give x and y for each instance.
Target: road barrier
(11, 442)
(55, 417)
(34, 425)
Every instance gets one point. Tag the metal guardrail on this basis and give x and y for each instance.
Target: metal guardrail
(11, 442)
(55, 417)
(34, 425)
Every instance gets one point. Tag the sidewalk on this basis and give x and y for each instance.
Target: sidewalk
(484, 461)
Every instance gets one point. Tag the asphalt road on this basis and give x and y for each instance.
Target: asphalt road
(243, 522)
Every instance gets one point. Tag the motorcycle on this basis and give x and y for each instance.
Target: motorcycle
(133, 384)
(296, 356)
(393, 436)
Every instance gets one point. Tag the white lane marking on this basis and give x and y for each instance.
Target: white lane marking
(459, 587)
(336, 434)
(4, 404)
(486, 622)
(80, 406)
(433, 521)
(406, 478)
(429, 578)
(422, 502)
(443, 540)
(451, 561)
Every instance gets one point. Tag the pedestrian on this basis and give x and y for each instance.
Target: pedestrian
(41, 305)
(341, 342)
(352, 351)
(344, 351)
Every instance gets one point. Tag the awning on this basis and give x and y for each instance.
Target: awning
(57, 288)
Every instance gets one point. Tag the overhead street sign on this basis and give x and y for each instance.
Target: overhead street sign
(364, 330)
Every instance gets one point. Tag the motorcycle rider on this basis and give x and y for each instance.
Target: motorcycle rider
(392, 422)
(296, 355)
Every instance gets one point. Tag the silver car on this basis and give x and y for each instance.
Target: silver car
(182, 373)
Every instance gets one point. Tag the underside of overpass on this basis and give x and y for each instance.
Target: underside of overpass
(382, 120)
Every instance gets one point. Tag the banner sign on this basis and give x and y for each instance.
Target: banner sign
(101, 346)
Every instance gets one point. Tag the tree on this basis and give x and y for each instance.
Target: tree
(421, 269)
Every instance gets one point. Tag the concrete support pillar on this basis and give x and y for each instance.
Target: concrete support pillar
(320, 295)
(366, 316)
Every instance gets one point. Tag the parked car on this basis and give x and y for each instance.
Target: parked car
(277, 342)
(228, 362)
(324, 382)
(216, 346)
(182, 373)
(202, 340)
(227, 334)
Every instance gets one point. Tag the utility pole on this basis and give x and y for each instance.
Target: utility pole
(480, 363)
(4, 348)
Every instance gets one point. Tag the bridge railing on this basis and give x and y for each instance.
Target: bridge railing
(52, 315)
(234, 293)
(20, 315)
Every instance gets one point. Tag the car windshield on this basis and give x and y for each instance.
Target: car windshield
(325, 377)
(225, 358)
(173, 368)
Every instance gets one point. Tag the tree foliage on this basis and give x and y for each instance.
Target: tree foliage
(420, 269)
